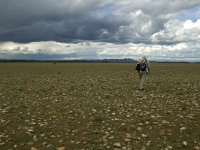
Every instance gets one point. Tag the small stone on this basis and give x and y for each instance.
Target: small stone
(60, 141)
(49, 145)
(3, 121)
(185, 143)
(1, 144)
(139, 129)
(128, 135)
(60, 148)
(72, 142)
(144, 135)
(197, 148)
(123, 124)
(148, 143)
(127, 140)
(94, 110)
(33, 148)
(108, 147)
(182, 129)
(169, 147)
(44, 143)
(30, 130)
(162, 133)
(164, 122)
(117, 145)
(111, 137)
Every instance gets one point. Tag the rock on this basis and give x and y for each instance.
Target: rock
(118, 145)
(182, 129)
(111, 137)
(60, 148)
(139, 129)
(197, 148)
(127, 140)
(94, 110)
(185, 143)
(144, 135)
(33, 148)
(128, 135)
(164, 122)
(190, 116)
(30, 130)
(124, 148)
(168, 147)
(1, 144)
(162, 133)
(123, 124)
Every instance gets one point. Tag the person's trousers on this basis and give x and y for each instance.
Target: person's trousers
(142, 76)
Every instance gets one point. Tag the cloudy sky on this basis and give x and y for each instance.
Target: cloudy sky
(98, 29)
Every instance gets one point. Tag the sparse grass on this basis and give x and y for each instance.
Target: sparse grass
(94, 105)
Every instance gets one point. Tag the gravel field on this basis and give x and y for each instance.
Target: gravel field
(97, 106)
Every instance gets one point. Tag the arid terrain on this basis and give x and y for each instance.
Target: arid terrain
(91, 106)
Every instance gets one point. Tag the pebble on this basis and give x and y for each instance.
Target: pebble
(111, 137)
(1, 144)
(117, 145)
(197, 148)
(168, 147)
(127, 140)
(33, 148)
(182, 129)
(139, 129)
(123, 124)
(185, 143)
(128, 135)
(60, 148)
(30, 130)
(164, 122)
(94, 110)
(144, 135)
(124, 148)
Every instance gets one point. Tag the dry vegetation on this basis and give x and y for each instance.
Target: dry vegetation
(49, 106)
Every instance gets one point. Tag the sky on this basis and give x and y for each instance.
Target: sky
(162, 30)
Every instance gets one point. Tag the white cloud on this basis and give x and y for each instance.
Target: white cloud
(178, 31)
(101, 50)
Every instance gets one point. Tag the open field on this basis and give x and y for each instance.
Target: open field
(97, 106)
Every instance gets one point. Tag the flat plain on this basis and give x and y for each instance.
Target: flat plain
(91, 106)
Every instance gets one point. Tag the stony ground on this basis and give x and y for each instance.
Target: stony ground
(82, 106)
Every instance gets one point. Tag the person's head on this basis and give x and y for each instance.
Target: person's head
(143, 58)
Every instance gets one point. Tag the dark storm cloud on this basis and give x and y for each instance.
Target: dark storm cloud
(94, 20)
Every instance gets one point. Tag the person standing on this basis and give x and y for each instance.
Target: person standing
(143, 68)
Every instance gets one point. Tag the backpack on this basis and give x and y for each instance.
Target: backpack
(137, 67)
(143, 66)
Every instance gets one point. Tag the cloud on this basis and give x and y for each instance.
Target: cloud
(98, 50)
(177, 31)
(113, 21)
